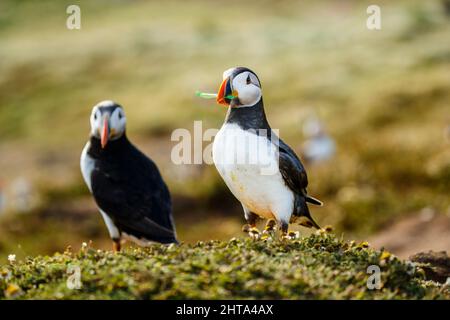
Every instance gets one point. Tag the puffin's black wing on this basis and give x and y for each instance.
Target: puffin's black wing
(296, 179)
(291, 168)
(129, 188)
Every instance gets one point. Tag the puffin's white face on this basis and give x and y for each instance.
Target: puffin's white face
(239, 89)
(108, 121)
(247, 88)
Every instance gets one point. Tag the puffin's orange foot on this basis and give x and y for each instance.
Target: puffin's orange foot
(116, 245)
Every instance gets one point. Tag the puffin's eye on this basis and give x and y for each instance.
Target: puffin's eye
(248, 79)
(95, 116)
(120, 115)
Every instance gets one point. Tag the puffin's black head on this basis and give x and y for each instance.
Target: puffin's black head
(107, 121)
(240, 88)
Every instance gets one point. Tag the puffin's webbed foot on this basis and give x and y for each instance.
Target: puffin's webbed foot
(116, 245)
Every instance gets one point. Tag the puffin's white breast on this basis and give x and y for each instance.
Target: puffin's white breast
(248, 164)
(87, 165)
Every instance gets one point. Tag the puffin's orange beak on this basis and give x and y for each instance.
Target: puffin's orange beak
(222, 92)
(105, 133)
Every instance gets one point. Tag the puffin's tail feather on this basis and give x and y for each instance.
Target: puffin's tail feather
(313, 200)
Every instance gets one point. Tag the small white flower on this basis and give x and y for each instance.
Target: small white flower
(12, 258)
(84, 245)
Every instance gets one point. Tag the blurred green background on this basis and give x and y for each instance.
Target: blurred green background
(382, 96)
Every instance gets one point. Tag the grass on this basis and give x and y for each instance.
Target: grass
(319, 266)
(382, 95)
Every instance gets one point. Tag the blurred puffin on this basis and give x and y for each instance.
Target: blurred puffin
(261, 171)
(127, 186)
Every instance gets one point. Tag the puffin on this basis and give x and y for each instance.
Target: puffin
(126, 185)
(260, 170)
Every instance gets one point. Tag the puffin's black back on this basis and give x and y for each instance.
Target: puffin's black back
(128, 187)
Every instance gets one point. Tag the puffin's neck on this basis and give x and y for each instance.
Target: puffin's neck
(112, 148)
(248, 117)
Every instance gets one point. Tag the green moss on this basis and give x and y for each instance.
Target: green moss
(383, 96)
(320, 266)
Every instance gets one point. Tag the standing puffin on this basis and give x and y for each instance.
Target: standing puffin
(261, 171)
(127, 186)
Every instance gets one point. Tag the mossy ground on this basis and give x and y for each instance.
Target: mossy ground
(320, 266)
(382, 95)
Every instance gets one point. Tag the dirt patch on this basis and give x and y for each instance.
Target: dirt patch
(435, 264)
(417, 233)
